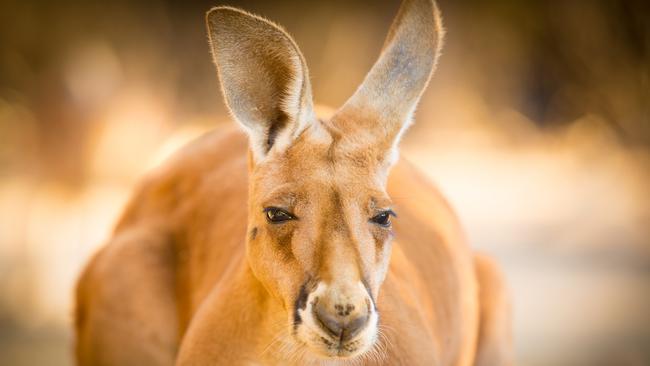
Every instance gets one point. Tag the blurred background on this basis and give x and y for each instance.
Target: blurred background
(536, 126)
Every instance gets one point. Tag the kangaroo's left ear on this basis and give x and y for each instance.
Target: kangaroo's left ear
(263, 76)
(382, 107)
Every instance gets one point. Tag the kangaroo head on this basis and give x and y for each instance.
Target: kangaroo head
(319, 223)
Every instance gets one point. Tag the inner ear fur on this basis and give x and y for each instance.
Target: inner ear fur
(264, 78)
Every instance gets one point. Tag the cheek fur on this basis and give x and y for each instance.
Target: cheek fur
(278, 240)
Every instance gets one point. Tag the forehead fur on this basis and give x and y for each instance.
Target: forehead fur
(324, 154)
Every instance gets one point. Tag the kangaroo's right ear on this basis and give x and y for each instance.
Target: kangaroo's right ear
(263, 76)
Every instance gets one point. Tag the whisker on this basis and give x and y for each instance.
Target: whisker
(276, 338)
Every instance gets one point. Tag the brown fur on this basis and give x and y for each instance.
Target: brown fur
(192, 277)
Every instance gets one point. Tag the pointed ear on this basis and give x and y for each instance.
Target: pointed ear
(263, 76)
(383, 105)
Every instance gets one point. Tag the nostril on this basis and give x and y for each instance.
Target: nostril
(343, 310)
(348, 309)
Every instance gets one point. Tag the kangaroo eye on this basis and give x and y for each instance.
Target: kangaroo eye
(383, 218)
(276, 215)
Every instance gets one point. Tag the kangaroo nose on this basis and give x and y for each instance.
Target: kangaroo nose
(342, 321)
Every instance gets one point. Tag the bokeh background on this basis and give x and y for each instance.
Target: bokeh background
(536, 126)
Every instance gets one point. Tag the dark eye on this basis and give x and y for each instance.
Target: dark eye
(276, 215)
(383, 218)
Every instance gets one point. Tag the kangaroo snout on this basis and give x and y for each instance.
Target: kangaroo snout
(342, 325)
(340, 316)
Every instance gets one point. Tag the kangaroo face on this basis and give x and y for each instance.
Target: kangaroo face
(319, 227)
(320, 230)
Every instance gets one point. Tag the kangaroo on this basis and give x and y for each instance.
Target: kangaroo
(289, 243)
